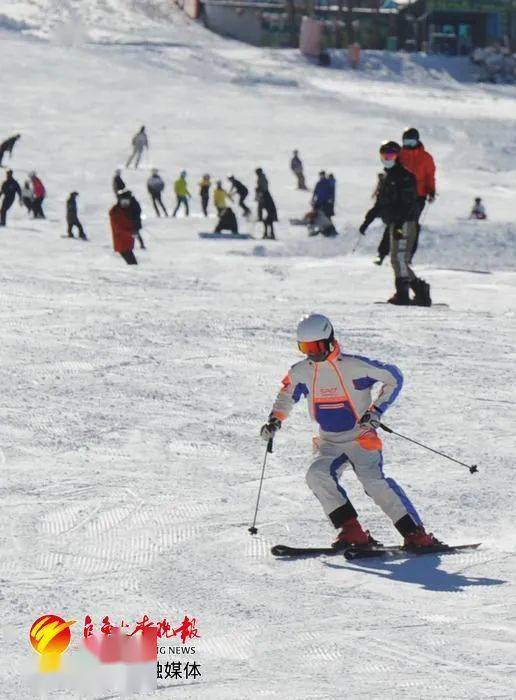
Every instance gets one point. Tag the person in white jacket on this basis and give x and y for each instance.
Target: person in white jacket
(338, 390)
(139, 142)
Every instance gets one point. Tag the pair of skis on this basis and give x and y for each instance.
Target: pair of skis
(351, 553)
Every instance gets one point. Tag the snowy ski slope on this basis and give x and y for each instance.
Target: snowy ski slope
(132, 397)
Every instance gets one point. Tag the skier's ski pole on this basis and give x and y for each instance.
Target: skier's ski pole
(253, 529)
(357, 243)
(472, 467)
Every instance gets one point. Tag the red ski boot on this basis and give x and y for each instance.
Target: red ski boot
(420, 539)
(353, 534)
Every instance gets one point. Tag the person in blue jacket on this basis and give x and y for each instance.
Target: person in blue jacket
(322, 196)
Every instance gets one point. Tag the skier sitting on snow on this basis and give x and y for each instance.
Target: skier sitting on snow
(396, 204)
(318, 222)
(478, 211)
(227, 221)
(337, 387)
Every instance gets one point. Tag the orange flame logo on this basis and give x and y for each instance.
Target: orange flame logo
(50, 637)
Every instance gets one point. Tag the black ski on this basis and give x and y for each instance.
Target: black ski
(416, 306)
(351, 553)
(281, 550)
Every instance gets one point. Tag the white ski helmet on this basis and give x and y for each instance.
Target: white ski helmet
(315, 336)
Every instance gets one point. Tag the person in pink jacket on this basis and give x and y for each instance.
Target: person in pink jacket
(39, 192)
(338, 388)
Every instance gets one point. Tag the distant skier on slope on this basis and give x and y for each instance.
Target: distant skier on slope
(262, 186)
(296, 165)
(271, 215)
(135, 212)
(118, 184)
(478, 211)
(28, 196)
(338, 389)
(155, 187)
(139, 143)
(396, 204)
(204, 193)
(10, 188)
(7, 146)
(39, 191)
(242, 192)
(420, 163)
(182, 193)
(123, 228)
(322, 197)
(319, 223)
(72, 217)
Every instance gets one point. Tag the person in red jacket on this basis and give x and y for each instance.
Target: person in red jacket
(420, 163)
(123, 228)
(39, 192)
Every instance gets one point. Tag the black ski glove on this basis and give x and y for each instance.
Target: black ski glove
(371, 418)
(268, 430)
(397, 234)
(363, 228)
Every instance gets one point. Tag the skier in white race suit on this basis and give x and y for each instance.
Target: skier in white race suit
(338, 389)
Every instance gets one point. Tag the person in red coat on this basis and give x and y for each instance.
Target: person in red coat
(39, 191)
(420, 163)
(123, 228)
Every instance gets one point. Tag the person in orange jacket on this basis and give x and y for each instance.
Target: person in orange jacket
(123, 228)
(420, 163)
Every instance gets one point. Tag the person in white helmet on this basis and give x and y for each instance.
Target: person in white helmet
(338, 389)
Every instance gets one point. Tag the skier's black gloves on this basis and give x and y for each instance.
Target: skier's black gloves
(268, 430)
(371, 418)
(397, 233)
(363, 228)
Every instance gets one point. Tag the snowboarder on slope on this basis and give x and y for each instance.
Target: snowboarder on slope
(7, 146)
(72, 217)
(338, 389)
(478, 211)
(296, 165)
(155, 187)
(242, 192)
(227, 221)
(420, 163)
(396, 204)
(182, 193)
(220, 198)
(139, 142)
(10, 188)
(122, 227)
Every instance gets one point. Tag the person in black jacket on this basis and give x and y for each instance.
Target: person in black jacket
(155, 187)
(242, 192)
(10, 189)
(262, 186)
(118, 183)
(227, 221)
(72, 218)
(396, 205)
(135, 212)
(267, 204)
(7, 146)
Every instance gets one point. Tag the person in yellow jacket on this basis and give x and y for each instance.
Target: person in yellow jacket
(182, 193)
(220, 198)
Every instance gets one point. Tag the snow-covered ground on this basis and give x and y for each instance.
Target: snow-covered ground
(132, 397)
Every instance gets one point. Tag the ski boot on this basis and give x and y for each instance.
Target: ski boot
(421, 290)
(401, 298)
(420, 539)
(352, 534)
(379, 260)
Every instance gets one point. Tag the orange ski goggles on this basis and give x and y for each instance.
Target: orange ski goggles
(313, 347)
